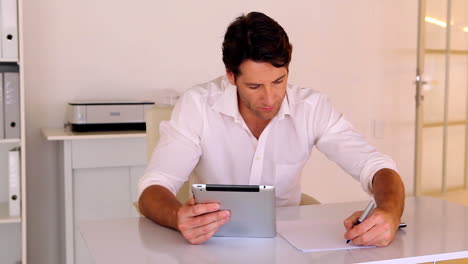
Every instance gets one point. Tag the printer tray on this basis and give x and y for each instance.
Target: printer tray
(108, 127)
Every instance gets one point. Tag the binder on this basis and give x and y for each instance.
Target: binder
(11, 104)
(14, 183)
(2, 129)
(9, 28)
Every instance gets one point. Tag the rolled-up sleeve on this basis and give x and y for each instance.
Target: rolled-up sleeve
(178, 150)
(336, 138)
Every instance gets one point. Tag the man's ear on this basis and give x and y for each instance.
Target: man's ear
(231, 77)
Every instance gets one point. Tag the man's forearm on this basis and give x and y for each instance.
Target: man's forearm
(160, 205)
(389, 191)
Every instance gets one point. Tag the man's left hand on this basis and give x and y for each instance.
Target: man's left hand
(378, 229)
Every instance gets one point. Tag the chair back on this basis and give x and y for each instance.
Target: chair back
(154, 116)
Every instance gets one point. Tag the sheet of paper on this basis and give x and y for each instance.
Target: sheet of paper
(309, 235)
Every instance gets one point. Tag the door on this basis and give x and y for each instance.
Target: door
(441, 97)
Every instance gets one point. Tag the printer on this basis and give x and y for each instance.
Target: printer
(92, 116)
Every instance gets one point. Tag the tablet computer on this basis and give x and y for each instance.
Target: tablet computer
(252, 207)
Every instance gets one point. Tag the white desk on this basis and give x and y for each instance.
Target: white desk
(437, 230)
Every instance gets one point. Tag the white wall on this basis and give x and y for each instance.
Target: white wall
(361, 53)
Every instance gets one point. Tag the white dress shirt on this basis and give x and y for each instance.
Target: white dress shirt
(207, 134)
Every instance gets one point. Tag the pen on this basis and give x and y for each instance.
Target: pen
(364, 215)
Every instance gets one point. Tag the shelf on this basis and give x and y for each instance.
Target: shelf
(9, 60)
(4, 216)
(10, 140)
(62, 134)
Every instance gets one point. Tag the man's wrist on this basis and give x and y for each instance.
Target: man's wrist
(395, 211)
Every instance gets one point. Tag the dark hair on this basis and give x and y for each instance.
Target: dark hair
(258, 37)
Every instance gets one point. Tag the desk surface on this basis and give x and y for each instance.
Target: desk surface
(437, 230)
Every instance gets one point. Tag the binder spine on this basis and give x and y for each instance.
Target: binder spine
(9, 28)
(2, 121)
(11, 104)
(14, 205)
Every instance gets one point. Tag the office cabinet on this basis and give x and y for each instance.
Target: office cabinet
(99, 173)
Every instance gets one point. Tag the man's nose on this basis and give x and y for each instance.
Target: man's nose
(269, 97)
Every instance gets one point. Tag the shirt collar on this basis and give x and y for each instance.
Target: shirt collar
(284, 109)
(227, 103)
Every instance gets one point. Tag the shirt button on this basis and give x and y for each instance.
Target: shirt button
(257, 158)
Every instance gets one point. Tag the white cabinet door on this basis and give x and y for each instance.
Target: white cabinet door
(10, 243)
(101, 193)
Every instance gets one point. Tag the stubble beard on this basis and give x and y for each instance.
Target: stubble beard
(259, 114)
(255, 111)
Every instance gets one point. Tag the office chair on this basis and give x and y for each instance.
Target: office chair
(154, 116)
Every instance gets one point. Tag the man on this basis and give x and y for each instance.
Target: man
(252, 127)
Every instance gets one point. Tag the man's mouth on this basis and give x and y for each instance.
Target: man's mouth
(267, 109)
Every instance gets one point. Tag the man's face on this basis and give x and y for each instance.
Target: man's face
(261, 88)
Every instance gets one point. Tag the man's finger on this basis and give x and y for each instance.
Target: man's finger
(200, 209)
(197, 209)
(188, 224)
(382, 240)
(350, 221)
(368, 238)
(209, 218)
(360, 229)
(190, 201)
(202, 238)
(203, 233)
(214, 225)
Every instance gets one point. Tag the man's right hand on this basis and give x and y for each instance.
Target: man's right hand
(199, 222)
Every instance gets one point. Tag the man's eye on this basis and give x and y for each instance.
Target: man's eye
(278, 81)
(254, 86)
